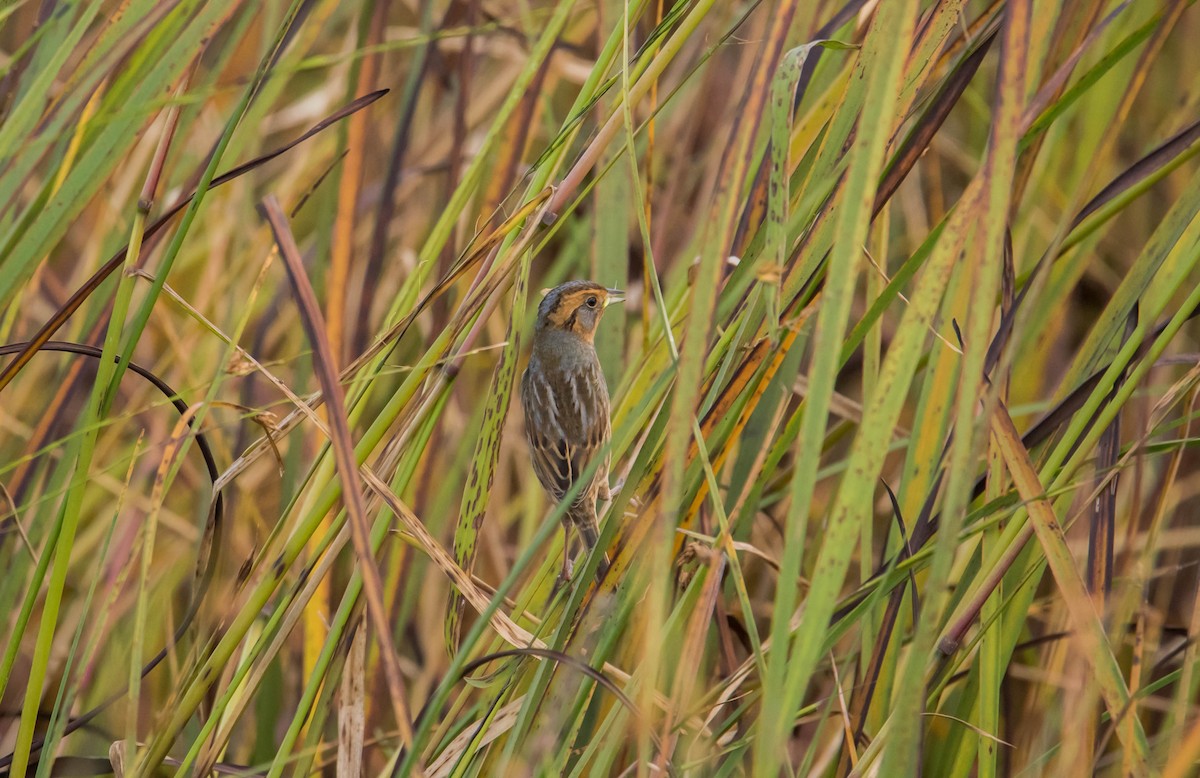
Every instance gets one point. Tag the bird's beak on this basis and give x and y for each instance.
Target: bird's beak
(614, 296)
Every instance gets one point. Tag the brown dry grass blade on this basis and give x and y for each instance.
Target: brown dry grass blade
(1085, 621)
(343, 452)
(1054, 86)
(917, 141)
(1140, 170)
(1103, 525)
(47, 330)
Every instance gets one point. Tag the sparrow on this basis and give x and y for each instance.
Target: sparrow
(566, 406)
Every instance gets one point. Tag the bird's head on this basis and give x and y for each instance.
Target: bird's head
(576, 307)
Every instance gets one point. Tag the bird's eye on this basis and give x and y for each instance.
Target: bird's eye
(591, 301)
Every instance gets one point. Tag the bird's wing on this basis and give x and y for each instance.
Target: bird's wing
(566, 428)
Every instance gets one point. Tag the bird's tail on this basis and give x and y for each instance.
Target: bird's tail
(589, 529)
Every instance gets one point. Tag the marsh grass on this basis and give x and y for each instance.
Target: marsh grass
(904, 391)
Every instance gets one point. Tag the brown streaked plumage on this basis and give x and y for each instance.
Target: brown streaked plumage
(566, 405)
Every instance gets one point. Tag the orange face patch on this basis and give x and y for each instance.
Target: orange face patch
(563, 314)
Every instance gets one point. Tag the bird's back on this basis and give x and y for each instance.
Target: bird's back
(565, 400)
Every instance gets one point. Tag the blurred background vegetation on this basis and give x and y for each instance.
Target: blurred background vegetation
(904, 389)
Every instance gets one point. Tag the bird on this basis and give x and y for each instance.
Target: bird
(566, 406)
